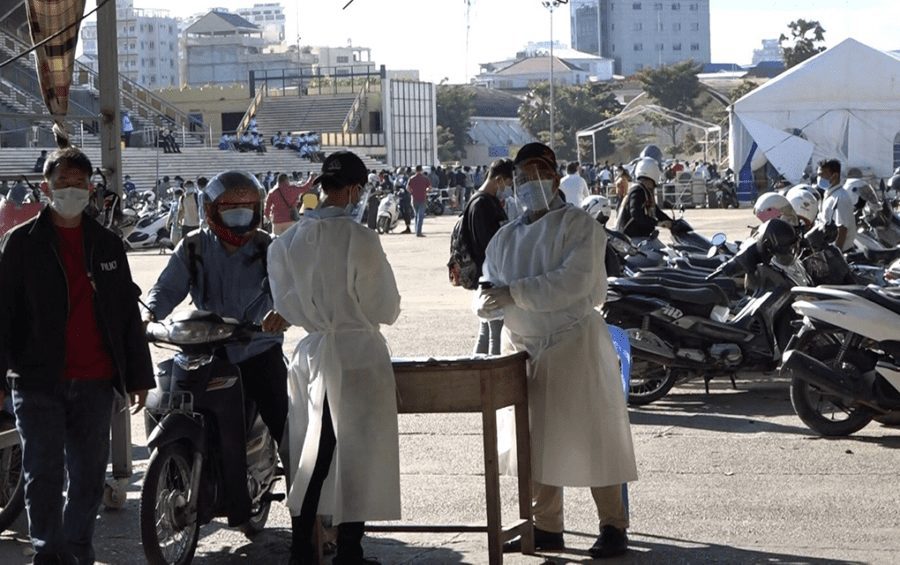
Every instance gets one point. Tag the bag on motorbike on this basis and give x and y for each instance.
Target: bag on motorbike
(462, 268)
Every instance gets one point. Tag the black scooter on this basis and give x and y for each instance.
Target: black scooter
(680, 330)
(211, 454)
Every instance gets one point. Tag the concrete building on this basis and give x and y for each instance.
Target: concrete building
(770, 51)
(639, 35)
(148, 45)
(344, 60)
(532, 66)
(222, 48)
(269, 18)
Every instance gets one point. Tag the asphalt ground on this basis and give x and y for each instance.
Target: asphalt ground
(728, 477)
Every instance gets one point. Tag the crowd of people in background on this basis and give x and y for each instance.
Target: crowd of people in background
(305, 143)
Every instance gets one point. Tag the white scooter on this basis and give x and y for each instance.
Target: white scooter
(147, 230)
(388, 213)
(844, 363)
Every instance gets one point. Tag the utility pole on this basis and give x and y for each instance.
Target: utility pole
(110, 120)
(552, 5)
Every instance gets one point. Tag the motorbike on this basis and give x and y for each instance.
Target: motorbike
(146, 229)
(210, 450)
(680, 330)
(388, 213)
(436, 205)
(18, 209)
(844, 362)
(722, 192)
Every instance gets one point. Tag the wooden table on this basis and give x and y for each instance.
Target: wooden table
(475, 385)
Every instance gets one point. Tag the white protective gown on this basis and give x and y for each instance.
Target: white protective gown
(580, 433)
(329, 275)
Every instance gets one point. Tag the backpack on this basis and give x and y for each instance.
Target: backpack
(462, 268)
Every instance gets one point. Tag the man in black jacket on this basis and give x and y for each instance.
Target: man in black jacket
(70, 337)
(638, 213)
(484, 216)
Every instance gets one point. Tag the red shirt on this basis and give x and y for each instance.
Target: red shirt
(418, 187)
(280, 200)
(87, 357)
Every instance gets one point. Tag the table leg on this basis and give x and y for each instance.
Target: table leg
(523, 449)
(491, 471)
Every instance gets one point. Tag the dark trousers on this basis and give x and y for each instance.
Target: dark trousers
(349, 540)
(264, 378)
(65, 431)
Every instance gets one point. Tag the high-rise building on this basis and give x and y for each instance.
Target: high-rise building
(639, 35)
(771, 51)
(269, 18)
(148, 45)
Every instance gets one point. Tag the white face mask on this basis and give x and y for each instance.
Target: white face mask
(70, 202)
(535, 195)
(237, 217)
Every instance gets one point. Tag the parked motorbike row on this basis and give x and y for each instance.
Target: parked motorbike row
(783, 299)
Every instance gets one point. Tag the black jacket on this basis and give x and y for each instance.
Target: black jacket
(34, 306)
(634, 218)
(485, 215)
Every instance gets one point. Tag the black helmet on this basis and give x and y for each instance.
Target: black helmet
(233, 202)
(778, 239)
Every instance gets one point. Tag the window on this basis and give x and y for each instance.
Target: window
(613, 47)
(676, 5)
(636, 6)
(612, 27)
(676, 26)
(149, 27)
(658, 6)
(695, 47)
(695, 26)
(638, 26)
(343, 59)
(660, 46)
(676, 47)
(694, 7)
(638, 46)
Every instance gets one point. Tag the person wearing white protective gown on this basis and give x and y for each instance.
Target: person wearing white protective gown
(329, 275)
(548, 278)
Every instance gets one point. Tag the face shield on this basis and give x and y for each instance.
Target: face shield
(534, 185)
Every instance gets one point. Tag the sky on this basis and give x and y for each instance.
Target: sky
(430, 35)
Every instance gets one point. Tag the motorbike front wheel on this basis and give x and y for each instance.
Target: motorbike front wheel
(12, 486)
(383, 224)
(823, 413)
(436, 207)
(257, 522)
(168, 536)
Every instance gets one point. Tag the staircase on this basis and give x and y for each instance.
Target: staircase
(145, 107)
(193, 162)
(325, 113)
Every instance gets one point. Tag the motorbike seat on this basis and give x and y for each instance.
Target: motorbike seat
(707, 296)
(882, 256)
(882, 299)
(682, 277)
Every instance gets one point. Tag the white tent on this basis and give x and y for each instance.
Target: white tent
(844, 103)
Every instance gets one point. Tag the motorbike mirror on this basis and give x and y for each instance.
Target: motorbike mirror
(718, 239)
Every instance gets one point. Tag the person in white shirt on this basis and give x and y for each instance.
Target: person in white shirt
(605, 178)
(573, 186)
(837, 206)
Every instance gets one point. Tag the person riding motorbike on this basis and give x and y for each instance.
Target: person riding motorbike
(773, 205)
(804, 204)
(638, 214)
(223, 267)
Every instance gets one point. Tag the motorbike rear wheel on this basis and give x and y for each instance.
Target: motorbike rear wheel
(257, 523)
(167, 536)
(649, 382)
(825, 414)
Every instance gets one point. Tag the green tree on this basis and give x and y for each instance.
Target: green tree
(806, 40)
(575, 107)
(627, 140)
(455, 106)
(675, 87)
(742, 89)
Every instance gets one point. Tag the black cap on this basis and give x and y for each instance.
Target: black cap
(536, 151)
(343, 168)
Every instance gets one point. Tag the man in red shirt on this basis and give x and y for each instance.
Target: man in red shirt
(418, 187)
(283, 202)
(70, 338)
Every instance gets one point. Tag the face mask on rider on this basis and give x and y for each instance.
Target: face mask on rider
(237, 218)
(824, 183)
(70, 202)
